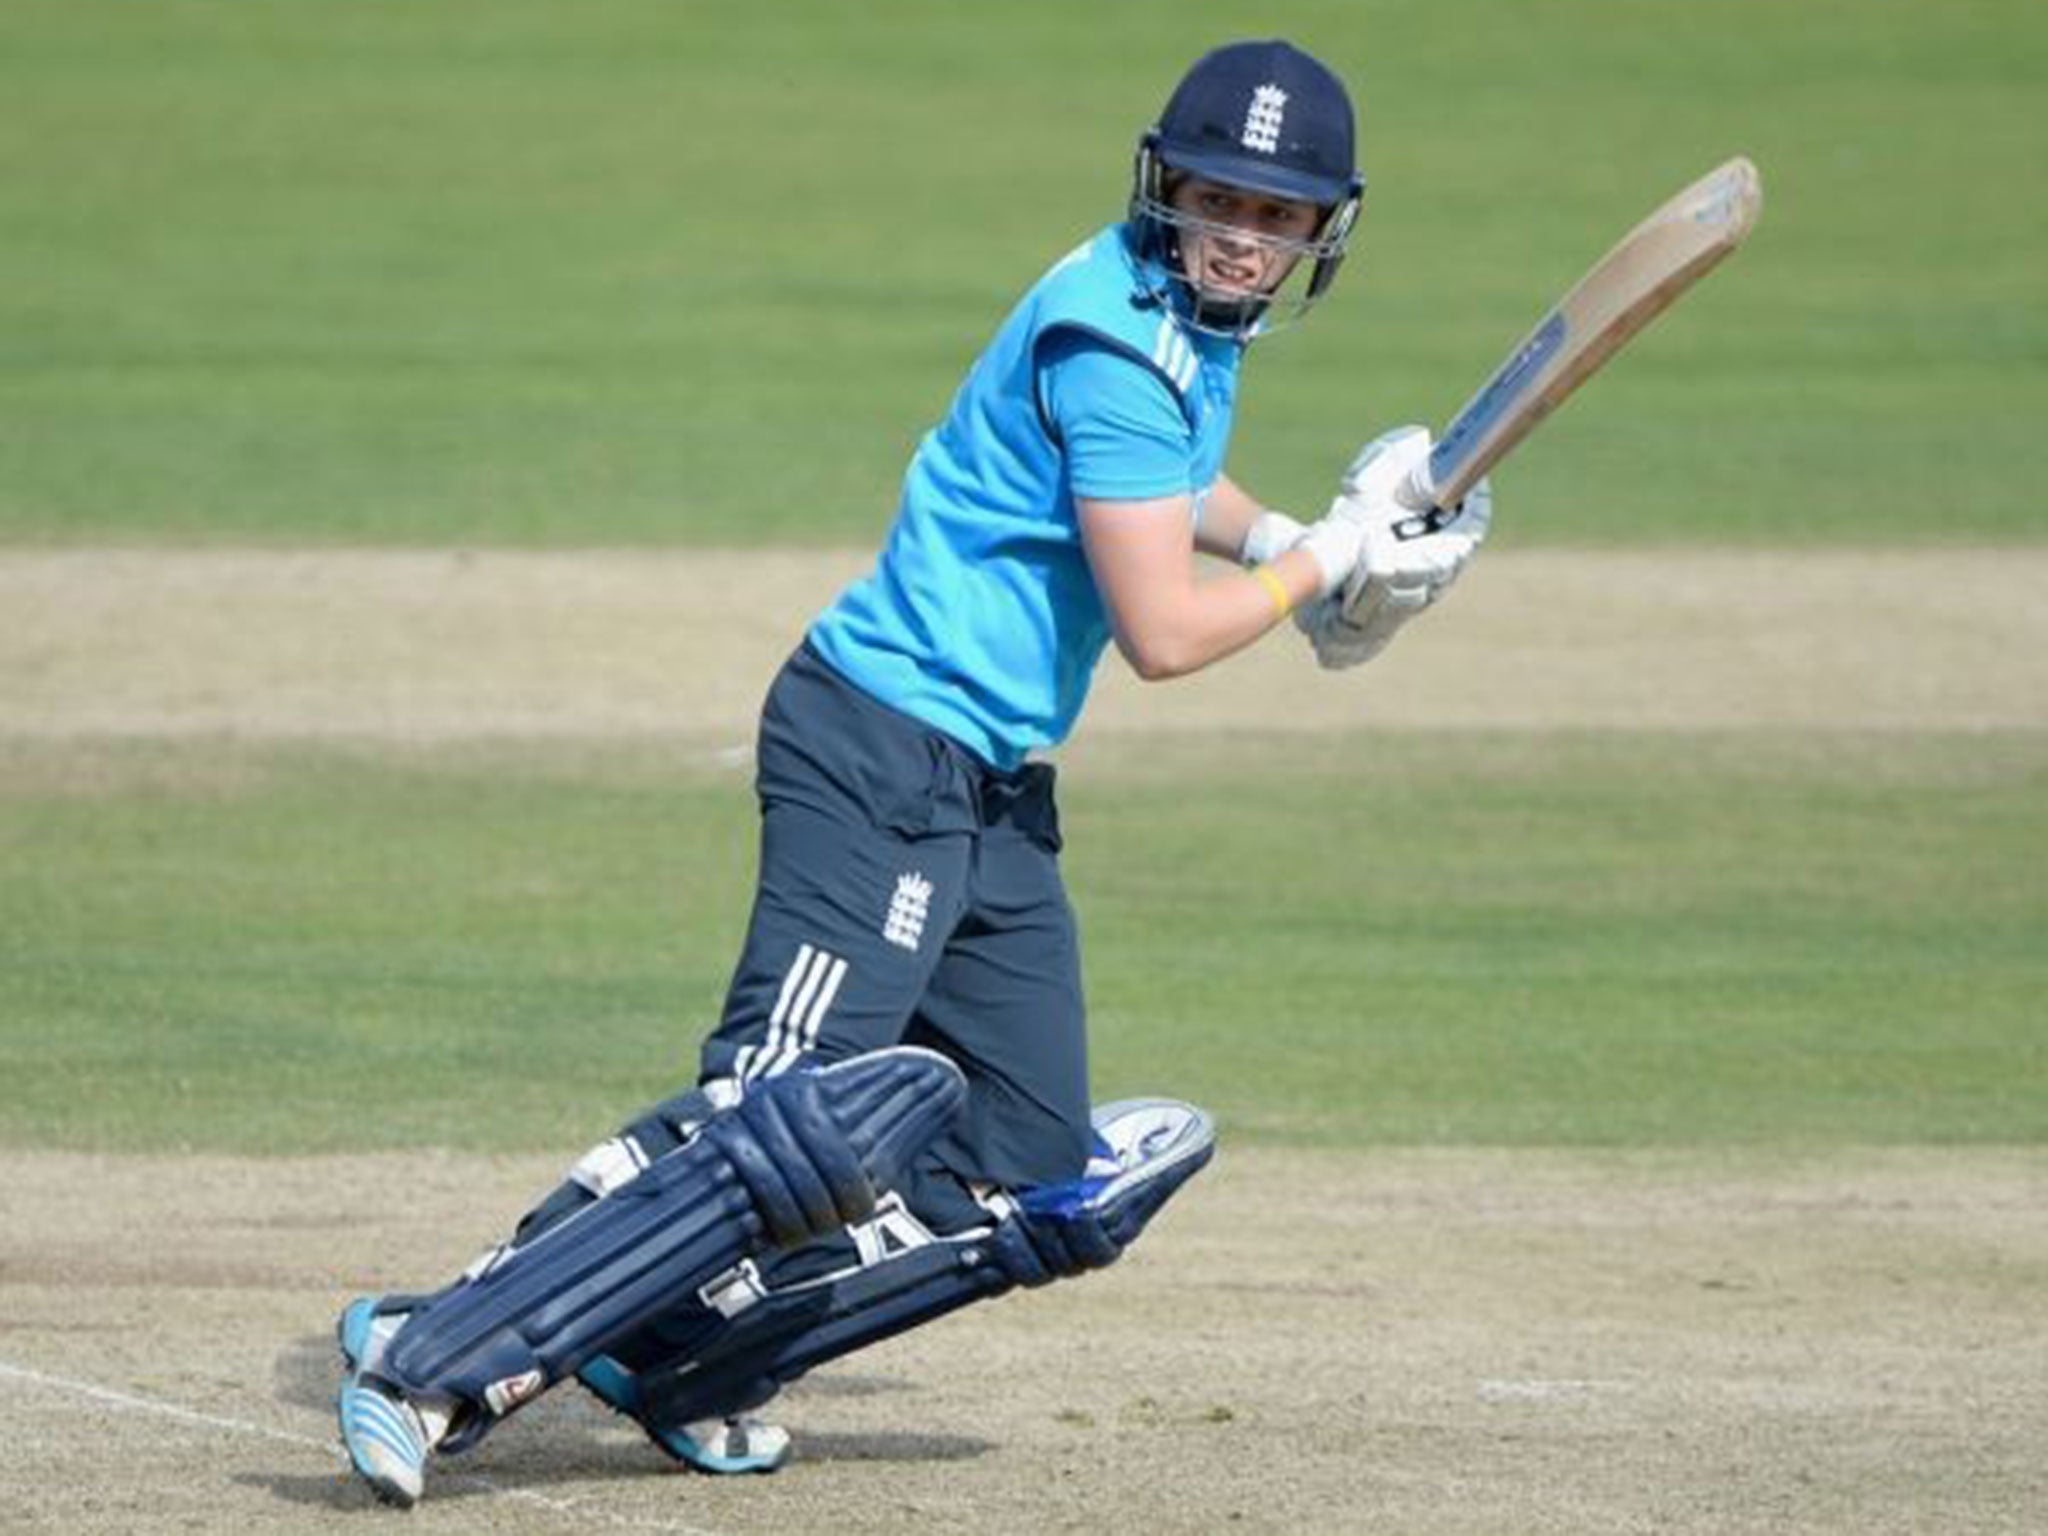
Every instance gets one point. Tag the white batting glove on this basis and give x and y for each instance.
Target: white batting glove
(1337, 541)
(1337, 644)
(1406, 573)
(1394, 578)
(1270, 536)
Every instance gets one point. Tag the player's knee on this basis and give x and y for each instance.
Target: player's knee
(1146, 1150)
(804, 1165)
(618, 1160)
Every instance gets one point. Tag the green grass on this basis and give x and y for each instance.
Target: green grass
(625, 271)
(1590, 940)
(1460, 938)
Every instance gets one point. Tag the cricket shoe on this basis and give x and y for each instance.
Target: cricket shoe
(387, 1438)
(363, 1329)
(718, 1446)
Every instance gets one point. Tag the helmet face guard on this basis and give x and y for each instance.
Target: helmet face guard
(1258, 117)
(1306, 267)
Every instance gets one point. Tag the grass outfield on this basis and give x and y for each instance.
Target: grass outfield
(623, 271)
(1738, 939)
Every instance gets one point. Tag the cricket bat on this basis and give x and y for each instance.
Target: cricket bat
(1626, 289)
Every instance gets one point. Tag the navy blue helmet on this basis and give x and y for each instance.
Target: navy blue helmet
(1262, 117)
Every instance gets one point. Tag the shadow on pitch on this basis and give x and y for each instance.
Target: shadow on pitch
(888, 1446)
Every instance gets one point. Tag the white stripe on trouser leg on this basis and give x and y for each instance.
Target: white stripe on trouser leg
(808, 988)
(800, 1009)
(811, 1014)
(753, 1056)
(799, 968)
(817, 1018)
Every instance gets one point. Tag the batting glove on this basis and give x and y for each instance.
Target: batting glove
(1270, 536)
(1394, 577)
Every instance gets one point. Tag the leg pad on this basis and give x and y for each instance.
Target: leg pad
(800, 1156)
(905, 1275)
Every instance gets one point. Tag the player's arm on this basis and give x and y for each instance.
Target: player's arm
(1224, 515)
(1166, 622)
(1232, 524)
(1127, 446)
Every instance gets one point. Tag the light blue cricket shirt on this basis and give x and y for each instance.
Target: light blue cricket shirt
(981, 616)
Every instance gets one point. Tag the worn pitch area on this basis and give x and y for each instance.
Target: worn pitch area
(1439, 1341)
(435, 646)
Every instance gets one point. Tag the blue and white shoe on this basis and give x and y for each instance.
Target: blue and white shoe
(359, 1329)
(719, 1446)
(387, 1439)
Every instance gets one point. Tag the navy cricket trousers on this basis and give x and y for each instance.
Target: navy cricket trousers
(910, 893)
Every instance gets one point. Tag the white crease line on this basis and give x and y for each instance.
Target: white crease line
(163, 1410)
(327, 1448)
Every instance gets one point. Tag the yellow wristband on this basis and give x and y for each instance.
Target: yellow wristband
(1275, 589)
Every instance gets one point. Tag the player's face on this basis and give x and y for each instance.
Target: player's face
(1242, 242)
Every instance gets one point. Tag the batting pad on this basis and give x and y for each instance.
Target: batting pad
(1146, 1149)
(802, 1155)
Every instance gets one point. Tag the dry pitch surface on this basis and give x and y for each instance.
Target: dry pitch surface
(1451, 1341)
(449, 646)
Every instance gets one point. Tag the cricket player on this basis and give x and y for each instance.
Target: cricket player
(892, 1118)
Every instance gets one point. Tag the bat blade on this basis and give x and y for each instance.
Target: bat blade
(1646, 271)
